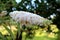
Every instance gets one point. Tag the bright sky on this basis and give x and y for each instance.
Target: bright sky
(18, 1)
(33, 4)
(32, 1)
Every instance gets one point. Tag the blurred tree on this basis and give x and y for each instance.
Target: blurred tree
(42, 7)
(7, 5)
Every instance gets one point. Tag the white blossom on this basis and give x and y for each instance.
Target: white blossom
(3, 13)
(28, 18)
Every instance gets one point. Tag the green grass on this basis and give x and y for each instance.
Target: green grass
(45, 37)
(37, 38)
(42, 38)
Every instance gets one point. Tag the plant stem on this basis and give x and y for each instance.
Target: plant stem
(19, 37)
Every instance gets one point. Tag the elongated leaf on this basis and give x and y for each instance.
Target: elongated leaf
(2, 37)
(18, 27)
(10, 32)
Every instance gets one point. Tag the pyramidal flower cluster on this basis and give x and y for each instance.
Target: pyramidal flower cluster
(28, 18)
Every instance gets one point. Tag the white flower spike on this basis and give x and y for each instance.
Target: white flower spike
(28, 18)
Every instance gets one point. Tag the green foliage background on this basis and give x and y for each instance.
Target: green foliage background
(43, 9)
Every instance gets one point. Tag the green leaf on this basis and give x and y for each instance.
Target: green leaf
(18, 27)
(10, 32)
(2, 37)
